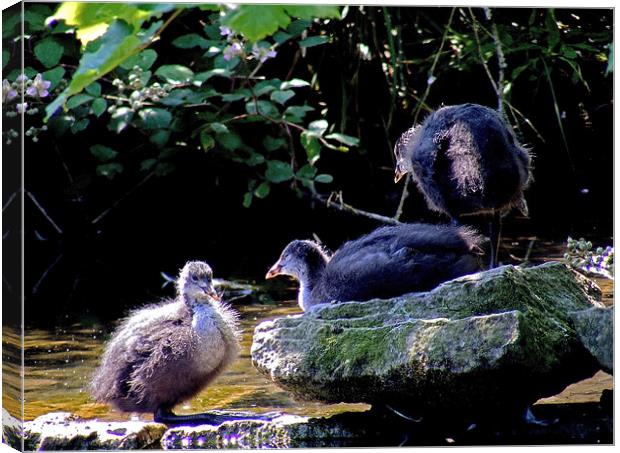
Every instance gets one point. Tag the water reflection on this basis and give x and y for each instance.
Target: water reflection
(59, 364)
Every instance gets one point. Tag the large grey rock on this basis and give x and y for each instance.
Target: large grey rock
(491, 342)
(63, 431)
(595, 327)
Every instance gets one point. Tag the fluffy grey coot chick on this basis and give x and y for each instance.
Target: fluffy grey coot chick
(166, 353)
(465, 159)
(388, 262)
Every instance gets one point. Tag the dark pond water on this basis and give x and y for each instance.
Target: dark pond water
(60, 361)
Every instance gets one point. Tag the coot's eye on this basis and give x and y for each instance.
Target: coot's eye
(194, 278)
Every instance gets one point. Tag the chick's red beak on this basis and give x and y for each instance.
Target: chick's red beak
(274, 271)
(213, 294)
(398, 174)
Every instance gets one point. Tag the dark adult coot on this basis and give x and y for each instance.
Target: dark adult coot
(388, 262)
(166, 353)
(465, 159)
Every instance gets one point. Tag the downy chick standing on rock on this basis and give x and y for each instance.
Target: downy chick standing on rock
(166, 353)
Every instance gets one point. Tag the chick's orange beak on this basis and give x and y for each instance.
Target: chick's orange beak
(274, 271)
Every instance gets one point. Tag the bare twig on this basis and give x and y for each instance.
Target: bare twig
(117, 202)
(36, 286)
(10, 200)
(403, 197)
(501, 61)
(44, 212)
(340, 205)
(474, 25)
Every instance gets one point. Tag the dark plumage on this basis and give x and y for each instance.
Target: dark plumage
(465, 159)
(388, 262)
(166, 353)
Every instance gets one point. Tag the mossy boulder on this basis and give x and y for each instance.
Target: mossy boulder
(490, 342)
(595, 327)
(63, 431)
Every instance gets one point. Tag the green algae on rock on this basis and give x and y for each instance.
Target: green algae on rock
(488, 342)
(595, 327)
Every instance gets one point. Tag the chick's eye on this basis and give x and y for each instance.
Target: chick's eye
(194, 278)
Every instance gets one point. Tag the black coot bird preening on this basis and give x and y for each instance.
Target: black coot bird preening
(465, 159)
(166, 353)
(388, 262)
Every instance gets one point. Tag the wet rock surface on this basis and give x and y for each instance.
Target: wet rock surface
(595, 327)
(588, 423)
(480, 345)
(12, 430)
(63, 431)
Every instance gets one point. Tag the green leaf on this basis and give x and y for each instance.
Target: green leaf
(324, 178)
(48, 52)
(163, 168)
(103, 153)
(206, 75)
(79, 125)
(255, 159)
(311, 145)
(296, 113)
(261, 107)
(313, 41)
(256, 21)
(295, 83)
(6, 56)
(119, 120)
(229, 141)
(262, 190)
(206, 140)
(144, 60)
(109, 170)
(553, 37)
(113, 47)
(99, 106)
(160, 137)
(342, 138)
(281, 37)
(175, 73)
(247, 200)
(306, 172)
(232, 97)
(219, 128)
(191, 40)
(278, 171)
(153, 118)
(312, 11)
(271, 143)
(54, 75)
(318, 127)
(78, 99)
(147, 164)
(94, 89)
(92, 20)
(281, 96)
